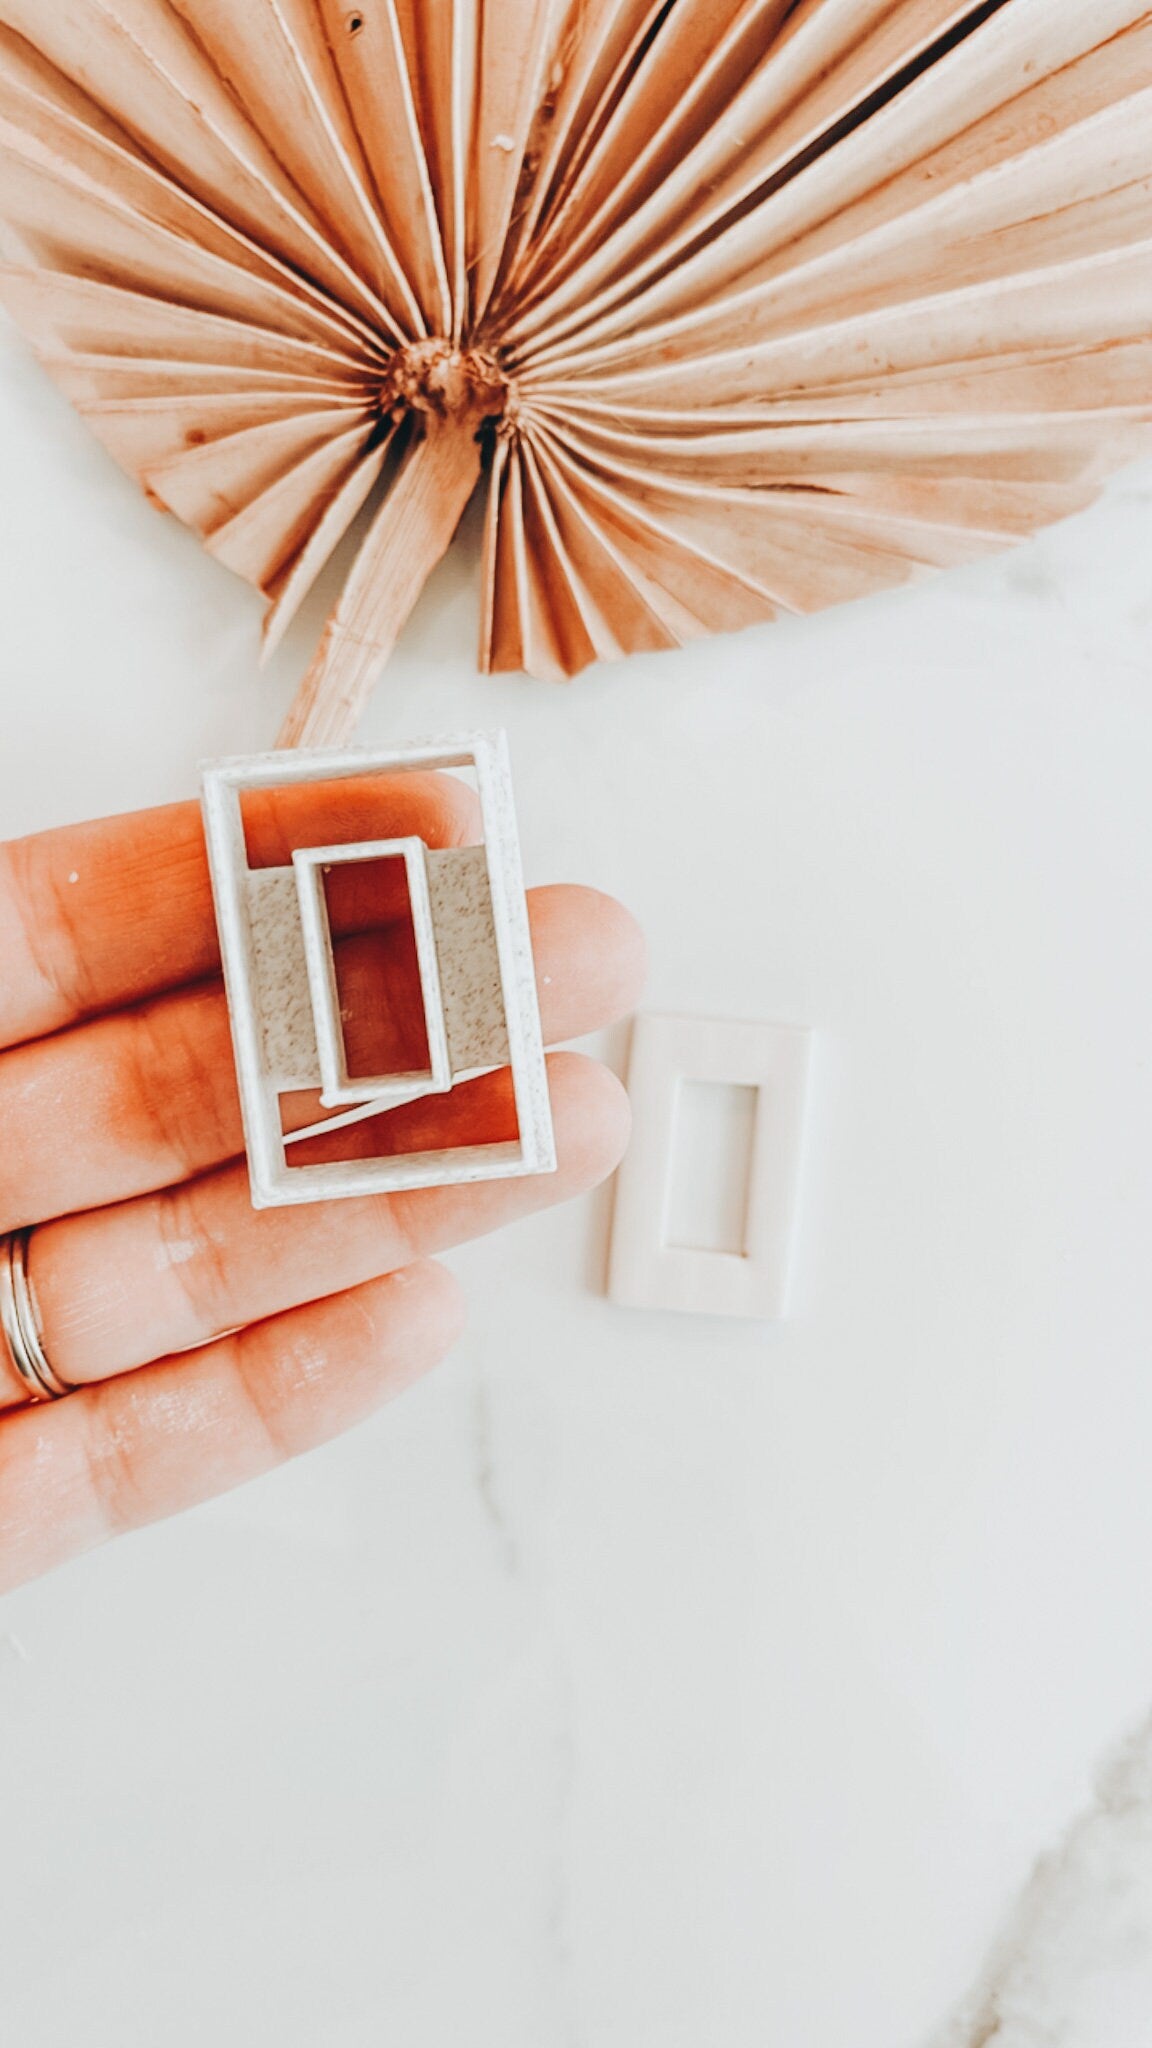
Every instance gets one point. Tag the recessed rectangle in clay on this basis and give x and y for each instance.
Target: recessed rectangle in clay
(744, 1085)
(710, 1169)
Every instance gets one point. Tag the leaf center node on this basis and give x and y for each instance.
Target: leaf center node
(439, 378)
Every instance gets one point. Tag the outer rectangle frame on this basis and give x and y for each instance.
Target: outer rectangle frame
(274, 1183)
(644, 1270)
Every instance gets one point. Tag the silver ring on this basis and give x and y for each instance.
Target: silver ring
(21, 1324)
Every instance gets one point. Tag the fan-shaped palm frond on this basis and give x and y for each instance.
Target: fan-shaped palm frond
(748, 305)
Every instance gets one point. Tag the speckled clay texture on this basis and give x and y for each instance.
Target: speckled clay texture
(287, 1029)
(470, 980)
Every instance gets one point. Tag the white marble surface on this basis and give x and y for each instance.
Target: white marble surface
(647, 1682)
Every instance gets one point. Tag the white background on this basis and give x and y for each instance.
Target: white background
(641, 1681)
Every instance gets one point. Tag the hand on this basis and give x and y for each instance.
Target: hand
(120, 1140)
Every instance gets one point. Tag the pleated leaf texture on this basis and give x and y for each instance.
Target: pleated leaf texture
(743, 306)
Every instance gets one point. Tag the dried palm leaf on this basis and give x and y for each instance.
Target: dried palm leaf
(748, 305)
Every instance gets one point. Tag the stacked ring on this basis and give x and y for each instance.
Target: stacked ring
(21, 1325)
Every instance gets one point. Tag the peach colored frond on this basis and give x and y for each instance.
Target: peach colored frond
(739, 306)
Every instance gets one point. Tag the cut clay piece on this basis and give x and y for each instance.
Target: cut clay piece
(706, 1200)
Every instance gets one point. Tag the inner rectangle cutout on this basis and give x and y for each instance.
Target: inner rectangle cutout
(381, 1000)
(316, 869)
(710, 1167)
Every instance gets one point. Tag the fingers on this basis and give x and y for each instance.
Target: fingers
(147, 1097)
(169, 1271)
(114, 1457)
(95, 916)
